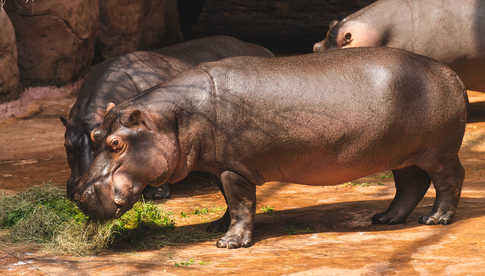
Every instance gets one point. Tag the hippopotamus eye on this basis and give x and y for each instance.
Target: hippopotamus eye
(96, 134)
(347, 38)
(115, 142)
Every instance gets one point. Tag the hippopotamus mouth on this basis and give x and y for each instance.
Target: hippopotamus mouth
(107, 193)
(97, 205)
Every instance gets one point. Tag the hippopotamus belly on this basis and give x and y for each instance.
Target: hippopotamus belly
(318, 119)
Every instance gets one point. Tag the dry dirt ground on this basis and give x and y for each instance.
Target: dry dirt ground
(312, 230)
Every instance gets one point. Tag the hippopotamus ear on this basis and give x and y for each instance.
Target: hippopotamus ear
(332, 24)
(136, 118)
(109, 107)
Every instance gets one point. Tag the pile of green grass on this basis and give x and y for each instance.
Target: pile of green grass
(44, 215)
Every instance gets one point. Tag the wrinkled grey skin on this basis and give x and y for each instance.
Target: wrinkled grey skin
(449, 31)
(123, 77)
(317, 119)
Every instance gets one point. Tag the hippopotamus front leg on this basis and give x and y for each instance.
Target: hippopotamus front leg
(241, 200)
(411, 185)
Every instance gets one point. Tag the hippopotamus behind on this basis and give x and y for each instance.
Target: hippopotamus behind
(121, 78)
(449, 31)
(317, 119)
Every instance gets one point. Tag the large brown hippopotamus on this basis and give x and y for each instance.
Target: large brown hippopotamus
(317, 119)
(123, 77)
(449, 31)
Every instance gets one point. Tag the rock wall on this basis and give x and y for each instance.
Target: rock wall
(284, 26)
(54, 42)
(55, 38)
(9, 71)
(128, 25)
(58, 40)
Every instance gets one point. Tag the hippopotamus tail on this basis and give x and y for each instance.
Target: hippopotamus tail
(465, 94)
(467, 102)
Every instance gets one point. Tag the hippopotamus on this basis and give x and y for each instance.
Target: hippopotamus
(449, 31)
(316, 119)
(121, 78)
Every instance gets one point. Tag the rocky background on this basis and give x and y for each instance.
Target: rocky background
(9, 71)
(55, 42)
(284, 26)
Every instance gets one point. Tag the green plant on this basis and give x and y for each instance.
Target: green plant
(185, 263)
(203, 211)
(293, 229)
(44, 215)
(44, 201)
(387, 174)
(267, 209)
(365, 184)
(190, 262)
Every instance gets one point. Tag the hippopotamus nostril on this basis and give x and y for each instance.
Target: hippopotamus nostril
(86, 195)
(119, 201)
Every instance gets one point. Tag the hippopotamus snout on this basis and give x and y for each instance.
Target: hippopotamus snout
(96, 205)
(99, 196)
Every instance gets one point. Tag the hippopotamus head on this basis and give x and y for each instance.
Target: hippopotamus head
(351, 33)
(79, 148)
(79, 152)
(135, 148)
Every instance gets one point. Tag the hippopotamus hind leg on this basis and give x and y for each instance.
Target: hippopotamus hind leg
(241, 199)
(411, 185)
(447, 177)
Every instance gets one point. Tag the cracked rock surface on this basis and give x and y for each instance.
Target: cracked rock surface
(126, 26)
(55, 38)
(9, 71)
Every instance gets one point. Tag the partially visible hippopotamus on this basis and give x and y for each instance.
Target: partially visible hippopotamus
(317, 119)
(123, 77)
(449, 31)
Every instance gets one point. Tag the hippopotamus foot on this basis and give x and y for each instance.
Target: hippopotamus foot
(411, 185)
(220, 225)
(240, 196)
(447, 180)
(437, 218)
(155, 193)
(238, 238)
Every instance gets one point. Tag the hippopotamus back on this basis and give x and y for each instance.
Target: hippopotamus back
(449, 31)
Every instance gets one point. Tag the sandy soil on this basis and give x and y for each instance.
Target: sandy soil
(312, 231)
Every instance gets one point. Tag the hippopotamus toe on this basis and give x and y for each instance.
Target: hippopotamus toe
(234, 241)
(443, 218)
(387, 218)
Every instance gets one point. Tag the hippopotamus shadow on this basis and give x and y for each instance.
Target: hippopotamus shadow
(196, 183)
(476, 112)
(352, 216)
(342, 217)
